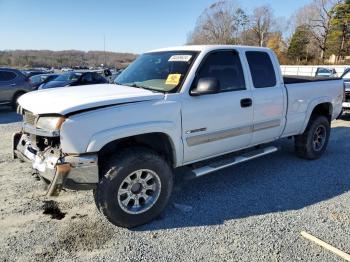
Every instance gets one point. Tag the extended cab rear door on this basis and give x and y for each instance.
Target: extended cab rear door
(269, 96)
(214, 124)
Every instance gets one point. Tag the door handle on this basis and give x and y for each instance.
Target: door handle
(246, 102)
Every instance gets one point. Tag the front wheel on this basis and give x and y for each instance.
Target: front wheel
(313, 142)
(135, 187)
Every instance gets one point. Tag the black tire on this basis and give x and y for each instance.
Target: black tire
(114, 172)
(306, 144)
(14, 100)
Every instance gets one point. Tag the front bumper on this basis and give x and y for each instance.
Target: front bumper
(78, 172)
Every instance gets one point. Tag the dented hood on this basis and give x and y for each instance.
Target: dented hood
(66, 100)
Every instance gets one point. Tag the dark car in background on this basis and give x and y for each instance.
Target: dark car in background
(114, 75)
(75, 78)
(13, 84)
(38, 80)
(32, 72)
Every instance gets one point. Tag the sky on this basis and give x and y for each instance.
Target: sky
(126, 25)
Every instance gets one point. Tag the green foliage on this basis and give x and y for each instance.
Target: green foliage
(338, 42)
(298, 47)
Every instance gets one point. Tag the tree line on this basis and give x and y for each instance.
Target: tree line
(69, 58)
(319, 31)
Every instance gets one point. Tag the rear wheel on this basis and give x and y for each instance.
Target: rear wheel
(135, 187)
(313, 142)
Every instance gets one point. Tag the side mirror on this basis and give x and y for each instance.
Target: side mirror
(206, 86)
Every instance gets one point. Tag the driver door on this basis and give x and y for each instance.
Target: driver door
(219, 123)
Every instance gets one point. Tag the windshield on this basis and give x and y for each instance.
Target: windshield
(68, 77)
(160, 71)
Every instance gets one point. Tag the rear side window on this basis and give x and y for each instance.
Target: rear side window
(7, 76)
(226, 67)
(261, 69)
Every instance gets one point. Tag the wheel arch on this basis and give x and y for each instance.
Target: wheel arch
(321, 107)
(159, 142)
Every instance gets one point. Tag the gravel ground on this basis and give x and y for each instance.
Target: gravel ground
(250, 212)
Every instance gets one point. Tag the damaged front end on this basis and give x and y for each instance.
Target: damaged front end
(39, 143)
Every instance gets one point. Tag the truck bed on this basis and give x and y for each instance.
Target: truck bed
(303, 92)
(306, 79)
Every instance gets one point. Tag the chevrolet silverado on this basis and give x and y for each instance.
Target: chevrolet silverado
(201, 107)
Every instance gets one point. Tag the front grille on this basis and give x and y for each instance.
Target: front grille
(29, 118)
(347, 96)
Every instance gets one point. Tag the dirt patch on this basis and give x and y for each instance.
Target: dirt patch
(52, 209)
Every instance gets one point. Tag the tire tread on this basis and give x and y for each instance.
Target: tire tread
(303, 148)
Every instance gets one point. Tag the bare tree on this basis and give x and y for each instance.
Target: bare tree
(220, 23)
(317, 16)
(262, 22)
(321, 26)
(241, 22)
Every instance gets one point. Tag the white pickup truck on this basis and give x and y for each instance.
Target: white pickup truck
(173, 107)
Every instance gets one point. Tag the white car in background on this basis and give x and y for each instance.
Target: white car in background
(66, 69)
(325, 72)
(346, 78)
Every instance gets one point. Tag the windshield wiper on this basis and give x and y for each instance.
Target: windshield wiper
(142, 87)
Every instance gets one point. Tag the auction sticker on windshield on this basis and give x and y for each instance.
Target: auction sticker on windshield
(173, 79)
(180, 58)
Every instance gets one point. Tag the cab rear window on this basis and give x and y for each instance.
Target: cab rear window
(261, 69)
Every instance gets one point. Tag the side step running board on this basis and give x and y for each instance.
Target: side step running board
(212, 167)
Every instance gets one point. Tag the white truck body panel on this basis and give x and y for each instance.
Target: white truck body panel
(269, 107)
(123, 121)
(224, 126)
(302, 100)
(196, 111)
(69, 99)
